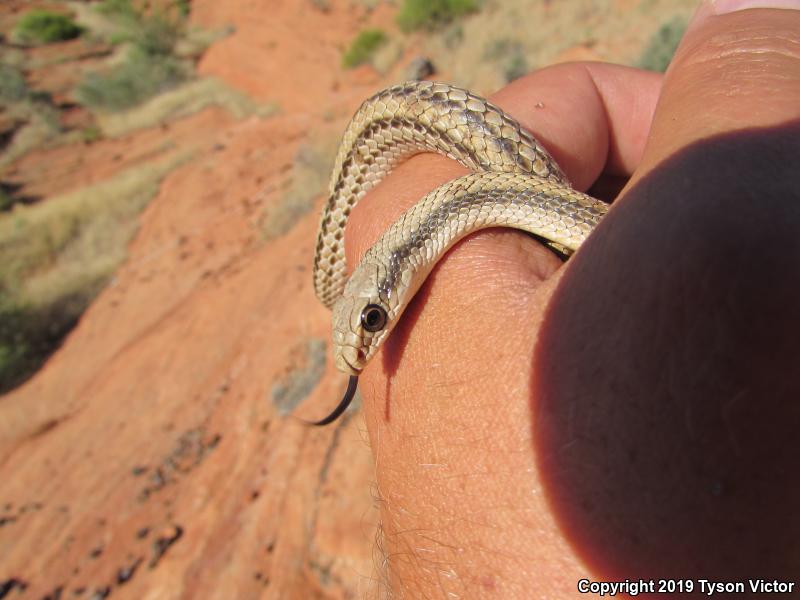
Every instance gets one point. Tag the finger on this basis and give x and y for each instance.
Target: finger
(592, 117)
(731, 70)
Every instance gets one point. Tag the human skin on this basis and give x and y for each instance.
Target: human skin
(633, 412)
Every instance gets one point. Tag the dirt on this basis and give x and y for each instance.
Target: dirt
(156, 453)
(65, 168)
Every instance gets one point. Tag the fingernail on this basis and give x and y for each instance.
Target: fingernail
(722, 7)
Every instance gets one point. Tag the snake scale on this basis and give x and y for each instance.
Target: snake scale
(515, 183)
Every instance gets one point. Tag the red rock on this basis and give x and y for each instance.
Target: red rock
(153, 427)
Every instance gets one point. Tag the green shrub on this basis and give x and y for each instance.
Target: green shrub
(141, 76)
(510, 54)
(28, 335)
(153, 35)
(118, 9)
(150, 68)
(44, 27)
(432, 14)
(91, 134)
(7, 201)
(14, 348)
(363, 47)
(156, 35)
(516, 67)
(658, 53)
(184, 7)
(12, 84)
(125, 13)
(119, 37)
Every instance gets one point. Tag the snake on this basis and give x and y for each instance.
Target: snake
(514, 182)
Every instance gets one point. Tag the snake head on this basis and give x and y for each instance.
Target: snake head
(362, 318)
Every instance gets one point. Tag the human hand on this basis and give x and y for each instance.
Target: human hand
(631, 413)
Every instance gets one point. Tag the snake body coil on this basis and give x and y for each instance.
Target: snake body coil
(515, 183)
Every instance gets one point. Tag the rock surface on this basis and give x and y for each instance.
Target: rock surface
(154, 455)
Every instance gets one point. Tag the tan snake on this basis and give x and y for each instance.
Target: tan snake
(515, 183)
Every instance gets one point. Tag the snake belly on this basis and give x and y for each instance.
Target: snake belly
(515, 183)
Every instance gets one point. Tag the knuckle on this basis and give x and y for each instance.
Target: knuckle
(757, 50)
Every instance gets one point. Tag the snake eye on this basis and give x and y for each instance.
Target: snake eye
(373, 317)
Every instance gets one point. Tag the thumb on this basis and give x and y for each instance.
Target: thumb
(665, 410)
(737, 66)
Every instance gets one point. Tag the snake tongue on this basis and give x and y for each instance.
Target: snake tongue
(342, 406)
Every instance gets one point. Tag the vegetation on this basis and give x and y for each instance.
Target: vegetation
(45, 27)
(29, 334)
(453, 35)
(510, 54)
(432, 14)
(140, 77)
(184, 7)
(12, 84)
(659, 51)
(91, 134)
(363, 47)
(150, 67)
(6, 199)
(125, 12)
(57, 255)
(34, 119)
(118, 9)
(184, 100)
(516, 67)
